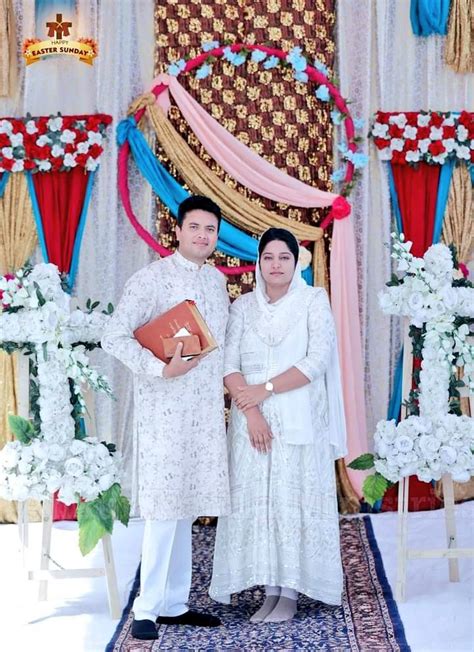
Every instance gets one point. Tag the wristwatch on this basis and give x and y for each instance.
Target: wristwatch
(269, 386)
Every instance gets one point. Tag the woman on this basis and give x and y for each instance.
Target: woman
(286, 429)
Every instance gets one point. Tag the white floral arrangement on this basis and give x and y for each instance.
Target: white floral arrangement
(429, 292)
(36, 312)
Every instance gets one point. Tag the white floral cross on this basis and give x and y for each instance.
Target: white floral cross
(435, 442)
(34, 309)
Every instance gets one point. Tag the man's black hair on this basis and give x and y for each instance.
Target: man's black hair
(195, 202)
(284, 236)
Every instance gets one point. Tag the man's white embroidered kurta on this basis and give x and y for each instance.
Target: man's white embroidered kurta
(180, 455)
(283, 529)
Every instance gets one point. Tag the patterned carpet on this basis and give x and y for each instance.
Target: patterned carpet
(368, 619)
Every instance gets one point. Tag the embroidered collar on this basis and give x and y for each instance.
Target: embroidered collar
(184, 262)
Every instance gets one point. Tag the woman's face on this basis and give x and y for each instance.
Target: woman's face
(277, 264)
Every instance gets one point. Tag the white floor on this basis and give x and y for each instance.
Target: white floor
(438, 616)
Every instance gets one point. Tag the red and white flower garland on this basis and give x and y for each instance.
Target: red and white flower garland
(410, 137)
(57, 143)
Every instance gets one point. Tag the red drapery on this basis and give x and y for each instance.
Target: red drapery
(417, 191)
(60, 198)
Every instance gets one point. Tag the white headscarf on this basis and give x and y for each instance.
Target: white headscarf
(273, 323)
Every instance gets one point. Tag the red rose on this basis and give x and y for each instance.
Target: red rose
(466, 118)
(56, 163)
(4, 141)
(423, 132)
(29, 164)
(398, 158)
(7, 164)
(449, 132)
(81, 159)
(340, 208)
(93, 121)
(81, 136)
(382, 143)
(95, 151)
(42, 153)
(436, 148)
(41, 125)
(382, 117)
(436, 120)
(395, 131)
(69, 148)
(412, 119)
(410, 146)
(19, 127)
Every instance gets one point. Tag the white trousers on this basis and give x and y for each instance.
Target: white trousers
(165, 574)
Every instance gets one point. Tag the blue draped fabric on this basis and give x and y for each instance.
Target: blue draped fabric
(3, 182)
(37, 216)
(429, 16)
(394, 199)
(80, 232)
(445, 177)
(232, 241)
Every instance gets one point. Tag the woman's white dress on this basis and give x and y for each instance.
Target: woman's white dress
(284, 527)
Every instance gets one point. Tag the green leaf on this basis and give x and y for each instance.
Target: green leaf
(122, 510)
(21, 428)
(374, 488)
(39, 294)
(112, 495)
(118, 503)
(91, 530)
(363, 462)
(95, 304)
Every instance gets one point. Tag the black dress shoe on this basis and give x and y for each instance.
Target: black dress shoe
(190, 617)
(145, 630)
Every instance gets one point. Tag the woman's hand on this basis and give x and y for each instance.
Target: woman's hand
(250, 396)
(260, 434)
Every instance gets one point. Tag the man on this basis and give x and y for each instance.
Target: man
(180, 455)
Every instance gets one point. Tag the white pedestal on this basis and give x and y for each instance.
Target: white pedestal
(44, 574)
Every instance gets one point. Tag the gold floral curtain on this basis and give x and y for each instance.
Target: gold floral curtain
(457, 229)
(267, 110)
(459, 52)
(17, 243)
(8, 50)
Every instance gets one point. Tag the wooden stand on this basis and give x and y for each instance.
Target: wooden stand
(44, 574)
(451, 552)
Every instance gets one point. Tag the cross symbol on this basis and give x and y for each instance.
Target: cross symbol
(49, 326)
(427, 297)
(58, 28)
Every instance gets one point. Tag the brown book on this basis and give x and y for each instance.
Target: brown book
(183, 315)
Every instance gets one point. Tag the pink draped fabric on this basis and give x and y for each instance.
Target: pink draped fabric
(345, 307)
(238, 160)
(262, 177)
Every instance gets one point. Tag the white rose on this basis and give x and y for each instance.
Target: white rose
(447, 454)
(460, 475)
(403, 443)
(74, 466)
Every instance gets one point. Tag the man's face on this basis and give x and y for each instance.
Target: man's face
(197, 236)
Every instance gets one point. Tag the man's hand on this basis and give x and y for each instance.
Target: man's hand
(177, 366)
(250, 396)
(259, 431)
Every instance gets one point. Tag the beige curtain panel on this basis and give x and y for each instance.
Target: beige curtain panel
(8, 53)
(459, 52)
(17, 242)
